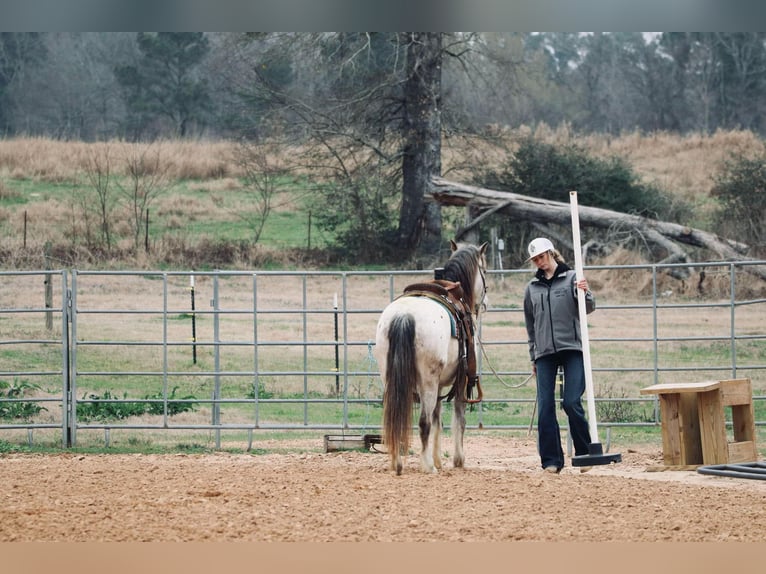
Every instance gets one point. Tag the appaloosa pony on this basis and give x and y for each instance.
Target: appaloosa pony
(426, 343)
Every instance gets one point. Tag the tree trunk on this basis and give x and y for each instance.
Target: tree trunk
(533, 210)
(419, 220)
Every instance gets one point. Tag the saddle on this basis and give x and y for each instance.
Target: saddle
(450, 295)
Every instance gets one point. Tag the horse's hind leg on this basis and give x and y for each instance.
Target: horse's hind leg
(436, 429)
(428, 402)
(396, 460)
(458, 430)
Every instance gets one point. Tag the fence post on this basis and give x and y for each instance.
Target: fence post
(48, 288)
(194, 320)
(337, 357)
(217, 364)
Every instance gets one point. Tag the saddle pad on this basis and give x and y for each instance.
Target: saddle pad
(450, 314)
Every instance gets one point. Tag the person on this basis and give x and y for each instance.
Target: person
(552, 320)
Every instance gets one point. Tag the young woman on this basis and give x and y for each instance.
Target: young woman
(553, 329)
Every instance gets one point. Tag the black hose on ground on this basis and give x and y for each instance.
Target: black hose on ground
(754, 470)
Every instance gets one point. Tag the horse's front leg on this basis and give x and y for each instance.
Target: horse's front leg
(458, 430)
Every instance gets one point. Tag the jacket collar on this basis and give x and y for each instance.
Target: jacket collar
(561, 269)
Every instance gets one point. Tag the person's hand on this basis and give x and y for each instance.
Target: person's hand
(583, 284)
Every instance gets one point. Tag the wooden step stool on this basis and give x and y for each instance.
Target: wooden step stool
(694, 423)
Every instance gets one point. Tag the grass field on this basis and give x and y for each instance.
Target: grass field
(48, 194)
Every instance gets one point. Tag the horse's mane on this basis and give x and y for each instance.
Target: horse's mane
(461, 268)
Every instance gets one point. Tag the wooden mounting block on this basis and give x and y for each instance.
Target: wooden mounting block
(694, 422)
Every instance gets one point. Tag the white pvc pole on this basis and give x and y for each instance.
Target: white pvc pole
(583, 319)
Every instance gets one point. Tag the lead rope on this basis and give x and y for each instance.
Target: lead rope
(521, 384)
(492, 368)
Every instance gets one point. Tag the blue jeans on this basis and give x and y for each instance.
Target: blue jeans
(548, 433)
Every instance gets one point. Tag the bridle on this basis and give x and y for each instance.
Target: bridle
(482, 304)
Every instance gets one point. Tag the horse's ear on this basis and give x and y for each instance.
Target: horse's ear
(483, 247)
(453, 245)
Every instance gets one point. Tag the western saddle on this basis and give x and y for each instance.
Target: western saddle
(450, 295)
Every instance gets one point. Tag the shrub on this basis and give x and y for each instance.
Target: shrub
(361, 217)
(108, 410)
(174, 406)
(17, 409)
(548, 171)
(620, 410)
(740, 188)
(544, 170)
(262, 392)
(108, 407)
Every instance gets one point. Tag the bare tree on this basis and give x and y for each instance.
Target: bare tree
(262, 177)
(19, 51)
(73, 93)
(364, 107)
(421, 132)
(98, 173)
(146, 178)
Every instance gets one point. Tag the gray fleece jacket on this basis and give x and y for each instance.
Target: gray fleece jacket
(551, 314)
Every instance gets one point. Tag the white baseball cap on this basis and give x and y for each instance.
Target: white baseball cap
(538, 246)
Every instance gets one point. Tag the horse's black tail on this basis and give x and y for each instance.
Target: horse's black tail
(401, 382)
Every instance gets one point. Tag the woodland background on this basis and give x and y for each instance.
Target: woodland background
(116, 146)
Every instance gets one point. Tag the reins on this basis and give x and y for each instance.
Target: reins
(494, 372)
(521, 384)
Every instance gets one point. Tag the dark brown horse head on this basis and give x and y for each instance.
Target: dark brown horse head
(467, 265)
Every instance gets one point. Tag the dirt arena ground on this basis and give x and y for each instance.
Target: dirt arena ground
(352, 496)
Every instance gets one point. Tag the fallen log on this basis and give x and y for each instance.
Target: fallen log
(664, 234)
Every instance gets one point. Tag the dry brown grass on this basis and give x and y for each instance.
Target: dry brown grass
(62, 161)
(681, 165)
(684, 166)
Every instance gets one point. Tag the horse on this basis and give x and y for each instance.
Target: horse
(419, 353)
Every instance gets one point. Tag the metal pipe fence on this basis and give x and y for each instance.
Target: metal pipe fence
(242, 351)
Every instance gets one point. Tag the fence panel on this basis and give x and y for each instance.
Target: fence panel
(165, 353)
(34, 354)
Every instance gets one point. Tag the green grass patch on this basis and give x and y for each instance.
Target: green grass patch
(504, 323)
(25, 191)
(284, 228)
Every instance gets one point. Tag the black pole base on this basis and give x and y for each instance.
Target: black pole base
(596, 456)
